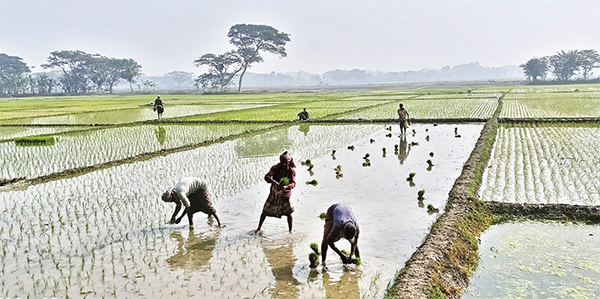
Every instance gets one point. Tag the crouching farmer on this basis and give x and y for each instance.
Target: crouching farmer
(193, 194)
(340, 222)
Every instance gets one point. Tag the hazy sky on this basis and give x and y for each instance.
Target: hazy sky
(393, 35)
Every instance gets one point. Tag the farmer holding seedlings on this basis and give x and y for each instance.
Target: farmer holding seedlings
(158, 107)
(282, 177)
(193, 193)
(404, 119)
(340, 222)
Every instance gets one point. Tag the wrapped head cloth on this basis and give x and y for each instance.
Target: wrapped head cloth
(286, 158)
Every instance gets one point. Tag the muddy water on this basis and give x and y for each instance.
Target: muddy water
(104, 233)
(538, 260)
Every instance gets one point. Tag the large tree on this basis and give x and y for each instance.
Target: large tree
(250, 40)
(535, 67)
(75, 68)
(564, 64)
(132, 70)
(589, 60)
(12, 70)
(180, 77)
(221, 70)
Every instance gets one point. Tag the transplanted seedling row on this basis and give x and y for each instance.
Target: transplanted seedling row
(539, 163)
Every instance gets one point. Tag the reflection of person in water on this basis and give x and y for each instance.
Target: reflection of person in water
(304, 128)
(279, 201)
(193, 194)
(282, 263)
(161, 134)
(404, 149)
(193, 252)
(346, 287)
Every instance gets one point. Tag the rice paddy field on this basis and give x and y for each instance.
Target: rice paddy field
(85, 219)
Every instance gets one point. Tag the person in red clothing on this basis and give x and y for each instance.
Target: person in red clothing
(278, 203)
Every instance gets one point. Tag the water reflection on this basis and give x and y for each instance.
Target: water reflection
(269, 143)
(404, 149)
(345, 287)
(161, 134)
(304, 128)
(194, 251)
(282, 262)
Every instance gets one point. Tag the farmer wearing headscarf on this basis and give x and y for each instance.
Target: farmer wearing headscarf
(193, 194)
(282, 178)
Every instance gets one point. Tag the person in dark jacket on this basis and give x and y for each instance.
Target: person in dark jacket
(340, 222)
(282, 178)
(158, 107)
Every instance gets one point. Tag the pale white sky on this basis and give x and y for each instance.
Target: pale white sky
(393, 35)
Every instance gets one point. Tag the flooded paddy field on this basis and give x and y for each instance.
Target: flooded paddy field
(8, 133)
(544, 163)
(539, 259)
(104, 233)
(558, 104)
(87, 148)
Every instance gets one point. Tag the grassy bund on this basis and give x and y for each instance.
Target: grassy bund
(441, 266)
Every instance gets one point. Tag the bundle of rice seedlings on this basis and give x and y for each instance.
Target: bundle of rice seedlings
(323, 215)
(313, 182)
(432, 209)
(35, 140)
(284, 181)
(313, 257)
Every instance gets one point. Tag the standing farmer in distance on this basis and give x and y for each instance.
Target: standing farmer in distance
(193, 193)
(340, 222)
(404, 119)
(282, 177)
(158, 107)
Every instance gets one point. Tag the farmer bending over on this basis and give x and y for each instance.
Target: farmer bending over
(193, 193)
(340, 222)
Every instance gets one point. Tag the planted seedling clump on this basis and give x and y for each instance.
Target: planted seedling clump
(351, 147)
(313, 182)
(429, 163)
(420, 194)
(313, 257)
(388, 135)
(431, 154)
(372, 140)
(431, 209)
(323, 216)
(410, 176)
(35, 140)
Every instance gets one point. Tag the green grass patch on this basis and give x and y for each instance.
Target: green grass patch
(35, 140)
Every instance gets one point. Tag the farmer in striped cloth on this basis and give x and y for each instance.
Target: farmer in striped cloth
(193, 194)
(282, 177)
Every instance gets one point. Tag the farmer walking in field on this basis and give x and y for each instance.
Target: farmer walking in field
(404, 119)
(158, 107)
(193, 194)
(340, 222)
(282, 178)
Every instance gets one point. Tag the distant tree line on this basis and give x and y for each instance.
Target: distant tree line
(563, 65)
(78, 72)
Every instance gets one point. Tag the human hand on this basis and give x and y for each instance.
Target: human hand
(346, 260)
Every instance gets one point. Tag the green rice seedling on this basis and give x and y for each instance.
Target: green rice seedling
(414, 132)
(427, 137)
(372, 140)
(431, 209)
(431, 154)
(457, 136)
(284, 181)
(312, 182)
(313, 258)
(367, 155)
(413, 143)
(35, 140)
(333, 152)
(323, 215)
(389, 128)
(356, 261)
(435, 125)
(366, 164)
(395, 147)
(420, 194)
(388, 135)
(315, 248)
(410, 176)
(429, 163)
(426, 130)
(307, 162)
(351, 147)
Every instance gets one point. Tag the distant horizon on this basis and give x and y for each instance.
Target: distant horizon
(381, 35)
